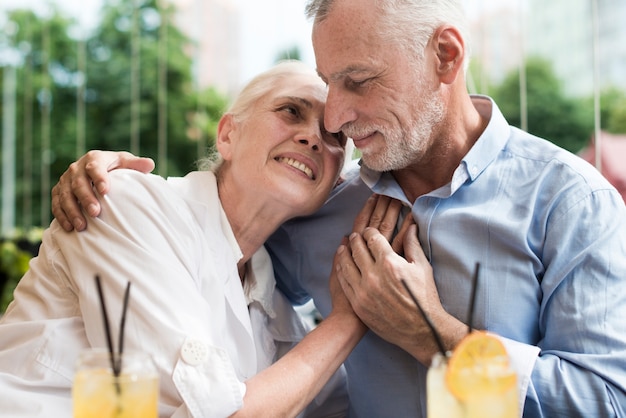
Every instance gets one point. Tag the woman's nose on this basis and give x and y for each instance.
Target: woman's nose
(313, 143)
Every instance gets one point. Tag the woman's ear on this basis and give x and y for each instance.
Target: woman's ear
(225, 134)
(450, 50)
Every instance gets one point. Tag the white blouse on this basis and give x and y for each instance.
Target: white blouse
(187, 308)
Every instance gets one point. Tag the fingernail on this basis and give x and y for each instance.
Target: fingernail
(341, 249)
(92, 209)
(100, 187)
(78, 224)
(353, 236)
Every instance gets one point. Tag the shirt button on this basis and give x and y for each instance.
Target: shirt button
(194, 352)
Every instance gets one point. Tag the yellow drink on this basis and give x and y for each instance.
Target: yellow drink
(98, 394)
(483, 385)
(440, 403)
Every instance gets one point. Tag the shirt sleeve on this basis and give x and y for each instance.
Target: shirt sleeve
(40, 339)
(147, 236)
(580, 370)
(523, 358)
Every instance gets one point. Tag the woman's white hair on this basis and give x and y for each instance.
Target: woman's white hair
(252, 92)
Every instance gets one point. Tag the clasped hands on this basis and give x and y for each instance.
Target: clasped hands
(369, 266)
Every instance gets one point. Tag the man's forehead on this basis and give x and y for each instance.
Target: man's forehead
(343, 43)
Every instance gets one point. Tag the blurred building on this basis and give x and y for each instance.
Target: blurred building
(562, 31)
(496, 44)
(612, 150)
(236, 39)
(214, 27)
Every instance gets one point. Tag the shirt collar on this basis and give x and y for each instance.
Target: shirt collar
(491, 141)
(205, 205)
(229, 234)
(260, 284)
(382, 183)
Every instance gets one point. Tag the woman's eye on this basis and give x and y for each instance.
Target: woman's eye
(291, 109)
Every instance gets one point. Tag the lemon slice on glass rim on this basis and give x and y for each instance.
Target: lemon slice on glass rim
(479, 366)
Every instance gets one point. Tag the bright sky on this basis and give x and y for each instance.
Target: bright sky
(277, 24)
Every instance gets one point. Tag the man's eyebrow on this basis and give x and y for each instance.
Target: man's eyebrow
(342, 74)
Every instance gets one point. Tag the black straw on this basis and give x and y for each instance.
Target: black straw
(436, 335)
(120, 340)
(473, 297)
(116, 361)
(107, 327)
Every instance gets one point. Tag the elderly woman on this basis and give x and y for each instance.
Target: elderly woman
(202, 280)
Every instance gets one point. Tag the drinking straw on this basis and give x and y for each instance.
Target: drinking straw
(473, 297)
(430, 324)
(107, 328)
(121, 331)
(116, 361)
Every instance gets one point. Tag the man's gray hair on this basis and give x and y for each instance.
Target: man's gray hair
(407, 22)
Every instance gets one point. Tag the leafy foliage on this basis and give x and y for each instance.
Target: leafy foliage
(109, 79)
(613, 110)
(292, 53)
(14, 257)
(568, 122)
(50, 77)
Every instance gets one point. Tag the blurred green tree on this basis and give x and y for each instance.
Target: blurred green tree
(122, 76)
(292, 53)
(122, 55)
(45, 95)
(612, 110)
(617, 119)
(568, 122)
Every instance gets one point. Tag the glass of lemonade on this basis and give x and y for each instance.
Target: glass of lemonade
(440, 402)
(481, 383)
(98, 393)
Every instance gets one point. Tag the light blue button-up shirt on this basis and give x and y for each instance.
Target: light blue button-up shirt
(550, 234)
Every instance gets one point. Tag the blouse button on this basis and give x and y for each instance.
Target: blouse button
(194, 352)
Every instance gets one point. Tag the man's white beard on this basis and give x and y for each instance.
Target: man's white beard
(404, 147)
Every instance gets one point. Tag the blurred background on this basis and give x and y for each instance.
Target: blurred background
(153, 76)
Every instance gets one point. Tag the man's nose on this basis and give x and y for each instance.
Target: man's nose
(338, 111)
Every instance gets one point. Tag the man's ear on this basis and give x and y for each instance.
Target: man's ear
(225, 133)
(450, 51)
